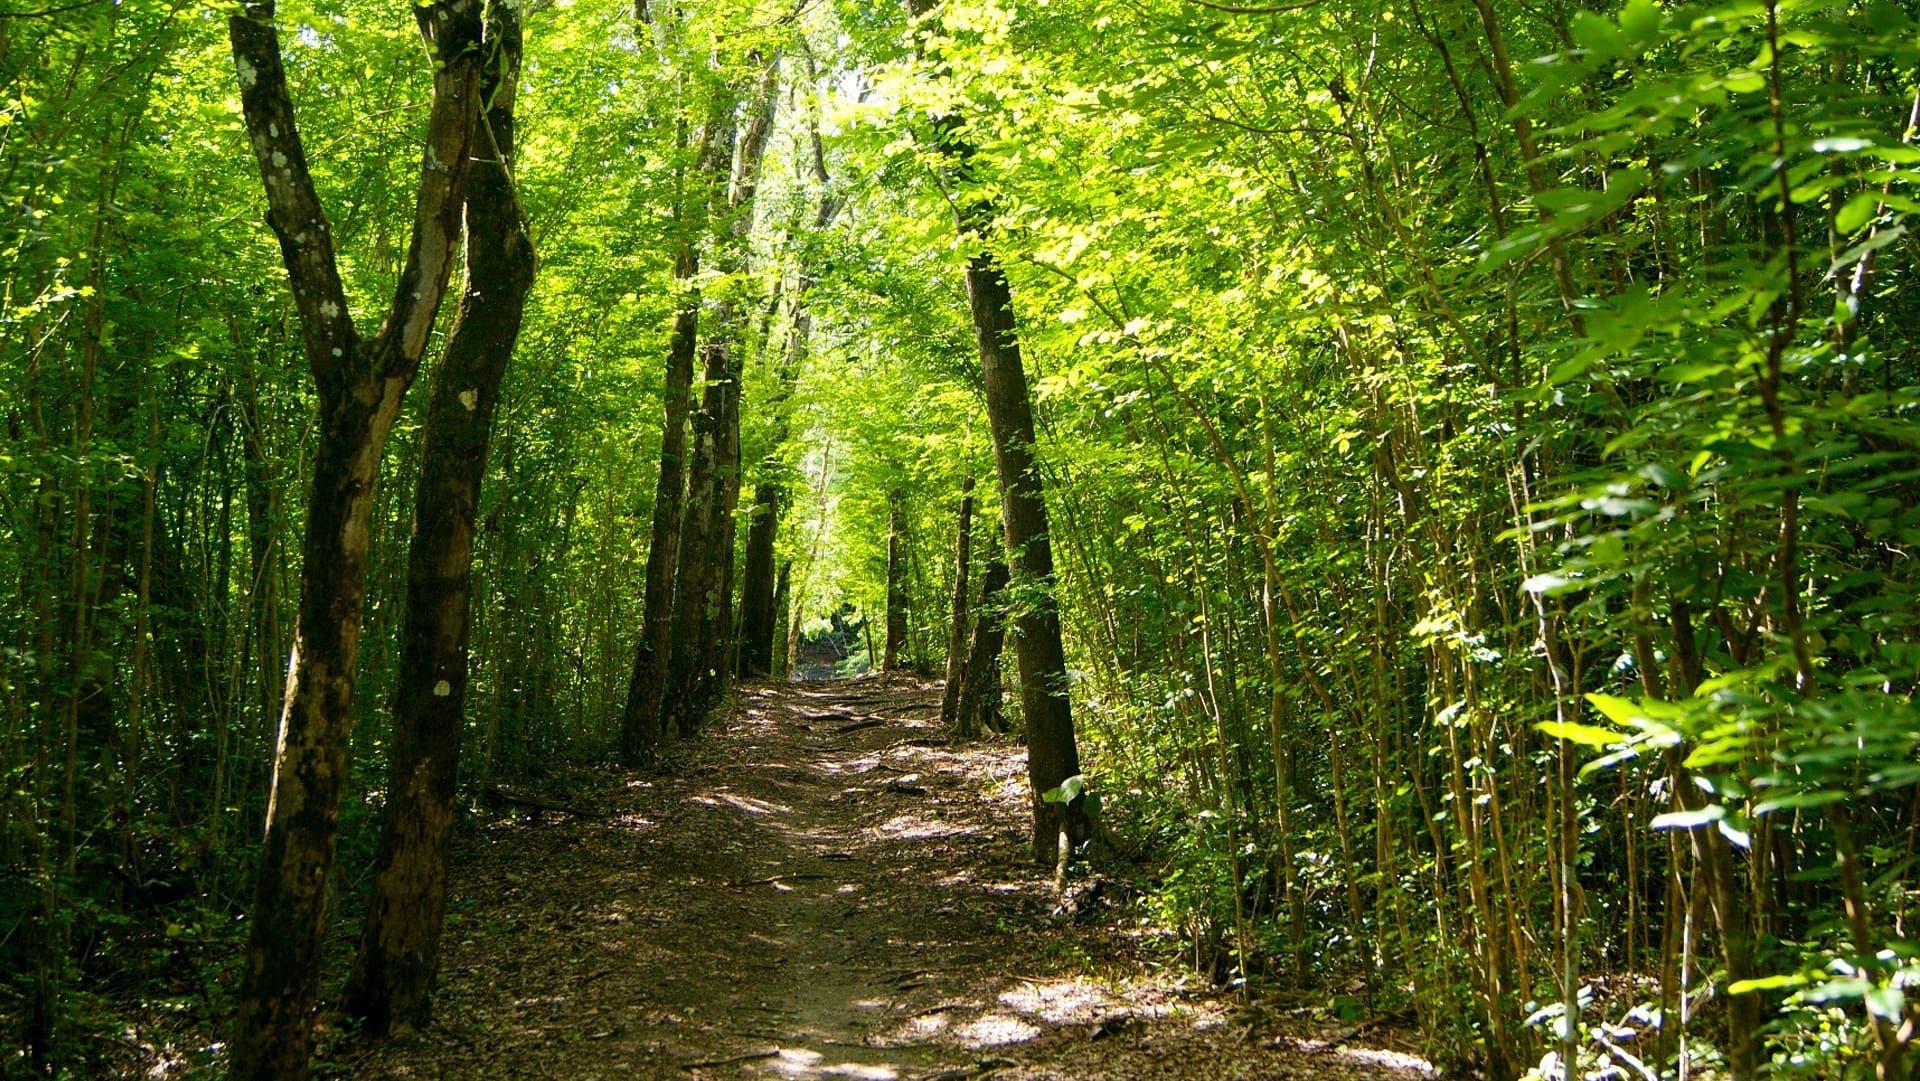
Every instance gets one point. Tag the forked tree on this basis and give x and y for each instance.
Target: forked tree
(360, 383)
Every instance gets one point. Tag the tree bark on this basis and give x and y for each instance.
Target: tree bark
(691, 679)
(897, 601)
(399, 951)
(640, 721)
(762, 607)
(758, 608)
(717, 628)
(700, 666)
(1052, 754)
(958, 626)
(978, 703)
(782, 602)
(758, 589)
(360, 385)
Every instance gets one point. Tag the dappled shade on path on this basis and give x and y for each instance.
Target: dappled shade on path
(822, 887)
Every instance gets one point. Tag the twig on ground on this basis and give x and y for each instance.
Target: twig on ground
(539, 803)
(799, 876)
(751, 1056)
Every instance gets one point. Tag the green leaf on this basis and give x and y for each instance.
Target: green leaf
(1068, 790)
(1689, 820)
(1859, 210)
(1766, 983)
(1838, 990)
(1796, 800)
(1549, 584)
(1584, 734)
(1880, 239)
(1640, 20)
(1622, 711)
(1664, 475)
(1597, 35)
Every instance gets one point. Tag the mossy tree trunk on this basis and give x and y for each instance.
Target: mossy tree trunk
(360, 383)
(399, 951)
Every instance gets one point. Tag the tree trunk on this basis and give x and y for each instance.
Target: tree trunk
(690, 678)
(957, 632)
(782, 601)
(758, 590)
(717, 630)
(1052, 754)
(758, 607)
(360, 384)
(640, 720)
(700, 667)
(978, 707)
(400, 943)
(762, 603)
(896, 581)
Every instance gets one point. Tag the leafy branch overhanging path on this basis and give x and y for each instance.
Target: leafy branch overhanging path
(821, 887)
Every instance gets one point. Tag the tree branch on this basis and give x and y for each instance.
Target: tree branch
(43, 13)
(454, 29)
(293, 208)
(1256, 9)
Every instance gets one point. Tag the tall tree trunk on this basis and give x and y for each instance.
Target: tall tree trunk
(640, 720)
(360, 384)
(700, 667)
(897, 601)
(690, 678)
(1052, 754)
(399, 952)
(957, 629)
(716, 632)
(760, 611)
(978, 704)
(758, 608)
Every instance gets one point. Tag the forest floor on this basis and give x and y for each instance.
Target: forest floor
(820, 886)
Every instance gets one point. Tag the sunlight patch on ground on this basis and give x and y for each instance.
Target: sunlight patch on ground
(1392, 1060)
(914, 828)
(740, 803)
(799, 1062)
(851, 765)
(1371, 1056)
(634, 822)
(1058, 1002)
(925, 1027)
(995, 1030)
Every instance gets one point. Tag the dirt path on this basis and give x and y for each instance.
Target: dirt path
(821, 887)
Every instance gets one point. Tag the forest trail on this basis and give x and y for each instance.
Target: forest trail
(822, 887)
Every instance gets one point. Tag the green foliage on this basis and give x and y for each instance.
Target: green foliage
(1480, 444)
